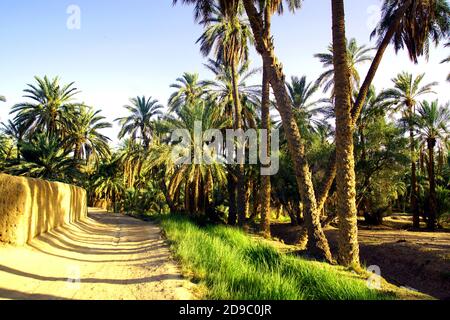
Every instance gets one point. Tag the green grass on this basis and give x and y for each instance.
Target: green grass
(232, 266)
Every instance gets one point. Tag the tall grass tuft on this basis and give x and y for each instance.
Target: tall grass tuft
(232, 266)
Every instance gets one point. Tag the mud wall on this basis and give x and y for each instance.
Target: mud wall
(31, 207)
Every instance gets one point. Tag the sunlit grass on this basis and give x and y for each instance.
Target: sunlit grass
(231, 265)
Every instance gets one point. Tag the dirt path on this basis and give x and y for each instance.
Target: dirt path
(106, 257)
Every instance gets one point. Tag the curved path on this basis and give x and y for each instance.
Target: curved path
(106, 257)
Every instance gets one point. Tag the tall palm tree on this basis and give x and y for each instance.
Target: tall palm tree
(399, 22)
(188, 90)
(139, 124)
(260, 21)
(51, 101)
(356, 55)
(433, 123)
(346, 178)
(260, 25)
(268, 7)
(407, 89)
(228, 35)
(84, 134)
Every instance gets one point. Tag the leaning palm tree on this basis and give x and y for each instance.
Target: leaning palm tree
(433, 124)
(188, 89)
(403, 97)
(228, 36)
(413, 24)
(139, 124)
(261, 27)
(357, 55)
(260, 21)
(50, 102)
(405, 23)
(84, 135)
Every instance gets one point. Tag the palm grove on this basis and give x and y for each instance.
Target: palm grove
(355, 151)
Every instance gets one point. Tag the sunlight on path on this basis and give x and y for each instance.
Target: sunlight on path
(105, 257)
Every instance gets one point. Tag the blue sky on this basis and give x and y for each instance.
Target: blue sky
(126, 48)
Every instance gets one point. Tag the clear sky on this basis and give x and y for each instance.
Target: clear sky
(126, 48)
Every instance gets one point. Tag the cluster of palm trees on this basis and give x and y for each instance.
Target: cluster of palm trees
(342, 155)
(51, 135)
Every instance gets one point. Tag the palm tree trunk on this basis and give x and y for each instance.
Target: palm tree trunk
(265, 180)
(232, 211)
(167, 196)
(240, 169)
(432, 181)
(414, 198)
(318, 244)
(346, 179)
(362, 96)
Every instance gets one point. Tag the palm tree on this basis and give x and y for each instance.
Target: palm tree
(301, 93)
(51, 101)
(260, 22)
(433, 123)
(356, 55)
(139, 124)
(45, 157)
(228, 35)
(447, 60)
(269, 7)
(131, 156)
(412, 24)
(111, 188)
(403, 96)
(6, 150)
(260, 25)
(16, 132)
(83, 134)
(189, 89)
(196, 179)
(346, 179)
(399, 22)
(221, 90)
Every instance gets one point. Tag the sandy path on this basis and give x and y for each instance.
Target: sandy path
(106, 257)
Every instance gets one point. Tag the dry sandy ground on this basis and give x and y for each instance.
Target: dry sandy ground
(107, 257)
(417, 260)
